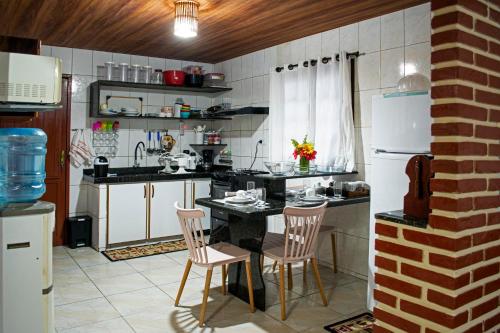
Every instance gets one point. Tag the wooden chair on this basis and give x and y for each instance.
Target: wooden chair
(209, 256)
(302, 227)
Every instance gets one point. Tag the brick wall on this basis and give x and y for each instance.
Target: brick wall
(446, 277)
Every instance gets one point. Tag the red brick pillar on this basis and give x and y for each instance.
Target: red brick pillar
(446, 277)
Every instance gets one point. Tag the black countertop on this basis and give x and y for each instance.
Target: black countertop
(311, 175)
(141, 174)
(397, 216)
(276, 206)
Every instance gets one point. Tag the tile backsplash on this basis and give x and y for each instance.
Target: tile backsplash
(395, 44)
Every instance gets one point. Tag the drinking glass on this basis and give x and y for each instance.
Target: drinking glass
(337, 189)
(261, 194)
(250, 186)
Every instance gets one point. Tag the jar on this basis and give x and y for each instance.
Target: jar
(211, 138)
(108, 72)
(124, 72)
(217, 139)
(147, 71)
(157, 77)
(135, 71)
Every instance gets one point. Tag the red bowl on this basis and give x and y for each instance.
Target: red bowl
(173, 77)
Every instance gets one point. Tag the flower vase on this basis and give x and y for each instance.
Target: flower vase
(304, 165)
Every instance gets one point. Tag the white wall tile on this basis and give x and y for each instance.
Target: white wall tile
(82, 62)
(226, 69)
(369, 35)
(121, 57)
(80, 88)
(364, 117)
(284, 54)
(330, 42)
(78, 199)
(138, 60)
(391, 67)
(271, 57)
(46, 50)
(173, 64)
(298, 51)
(417, 24)
(257, 89)
(236, 69)
(99, 58)
(246, 66)
(349, 38)
(237, 93)
(259, 63)
(79, 113)
(157, 63)
(392, 30)
(369, 71)
(66, 55)
(313, 46)
(417, 59)
(157, 99)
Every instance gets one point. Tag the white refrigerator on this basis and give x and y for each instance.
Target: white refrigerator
(401, 128)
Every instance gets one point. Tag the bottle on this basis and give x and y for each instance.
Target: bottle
(179, 102)
(22, 164)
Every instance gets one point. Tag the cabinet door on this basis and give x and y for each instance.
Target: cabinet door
(163, 218)
(201, 188)
(127, 212)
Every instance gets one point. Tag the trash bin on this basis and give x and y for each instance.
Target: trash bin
(79, 231)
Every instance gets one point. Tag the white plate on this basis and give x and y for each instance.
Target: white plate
(314, 199)
(241, 201)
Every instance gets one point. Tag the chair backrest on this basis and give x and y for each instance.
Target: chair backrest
(302, 228)
(192, 229)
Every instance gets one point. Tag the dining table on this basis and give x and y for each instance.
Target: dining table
(246, 228)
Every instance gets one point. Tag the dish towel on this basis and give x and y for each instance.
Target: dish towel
(80, 151)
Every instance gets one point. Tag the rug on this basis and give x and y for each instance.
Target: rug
(362, 323)
(145, 250)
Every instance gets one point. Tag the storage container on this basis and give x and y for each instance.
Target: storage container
(22, 164)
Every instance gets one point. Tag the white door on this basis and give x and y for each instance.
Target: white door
(163, 218)
(201, 189)
(127, 212)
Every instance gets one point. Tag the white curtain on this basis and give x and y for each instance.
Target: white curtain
(316, 101)
(292, 102)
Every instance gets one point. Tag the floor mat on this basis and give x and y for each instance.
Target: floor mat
(145, 250)
(362, 323)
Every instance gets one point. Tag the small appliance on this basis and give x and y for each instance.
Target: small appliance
(208, 159)
(101, 166)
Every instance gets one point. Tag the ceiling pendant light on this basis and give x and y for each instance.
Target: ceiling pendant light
(186, 18)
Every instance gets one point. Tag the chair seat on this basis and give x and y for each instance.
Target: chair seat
(223, 254)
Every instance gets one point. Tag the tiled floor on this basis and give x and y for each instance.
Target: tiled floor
(94, 295)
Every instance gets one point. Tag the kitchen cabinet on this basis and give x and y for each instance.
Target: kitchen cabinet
(198, 188)
(163, 216)
(127, 212)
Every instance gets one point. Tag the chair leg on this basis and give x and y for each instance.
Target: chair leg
(290, 279)
(314, 264)
(224, 273)
(205, 297)
(304, 272)
(183, 282)
(334, 251)
(274, 265)
(250, 286)
(282, 292)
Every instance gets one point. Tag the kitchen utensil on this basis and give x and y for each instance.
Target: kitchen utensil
(280, 168)
(135, 73)
(174, 77)
(158, 138)
(214, 76)
(193, 80)
(149, 151)
(157, 77)
(147, 72)
(108, 74)
(124, 72)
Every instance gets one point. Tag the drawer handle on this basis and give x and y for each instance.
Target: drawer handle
(153, 187)
(144, 191)
(14, 246)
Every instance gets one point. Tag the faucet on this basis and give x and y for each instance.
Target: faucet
(138, 146)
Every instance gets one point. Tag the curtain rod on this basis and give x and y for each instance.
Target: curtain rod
(323, 60)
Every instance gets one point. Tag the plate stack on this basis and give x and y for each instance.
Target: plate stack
(214, 80)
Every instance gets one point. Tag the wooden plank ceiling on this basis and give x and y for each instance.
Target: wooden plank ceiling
(227, 28)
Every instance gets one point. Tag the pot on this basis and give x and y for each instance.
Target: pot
(174, 77)
(193, 80)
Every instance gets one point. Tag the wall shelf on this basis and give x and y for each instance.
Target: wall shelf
(97, 86)
(247, 110)
(164, 118)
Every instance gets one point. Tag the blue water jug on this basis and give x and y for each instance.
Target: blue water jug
(22, 164)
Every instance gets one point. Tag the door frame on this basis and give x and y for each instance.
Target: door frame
(68, 91)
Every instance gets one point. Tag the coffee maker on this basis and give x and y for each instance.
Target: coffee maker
(208, 159)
